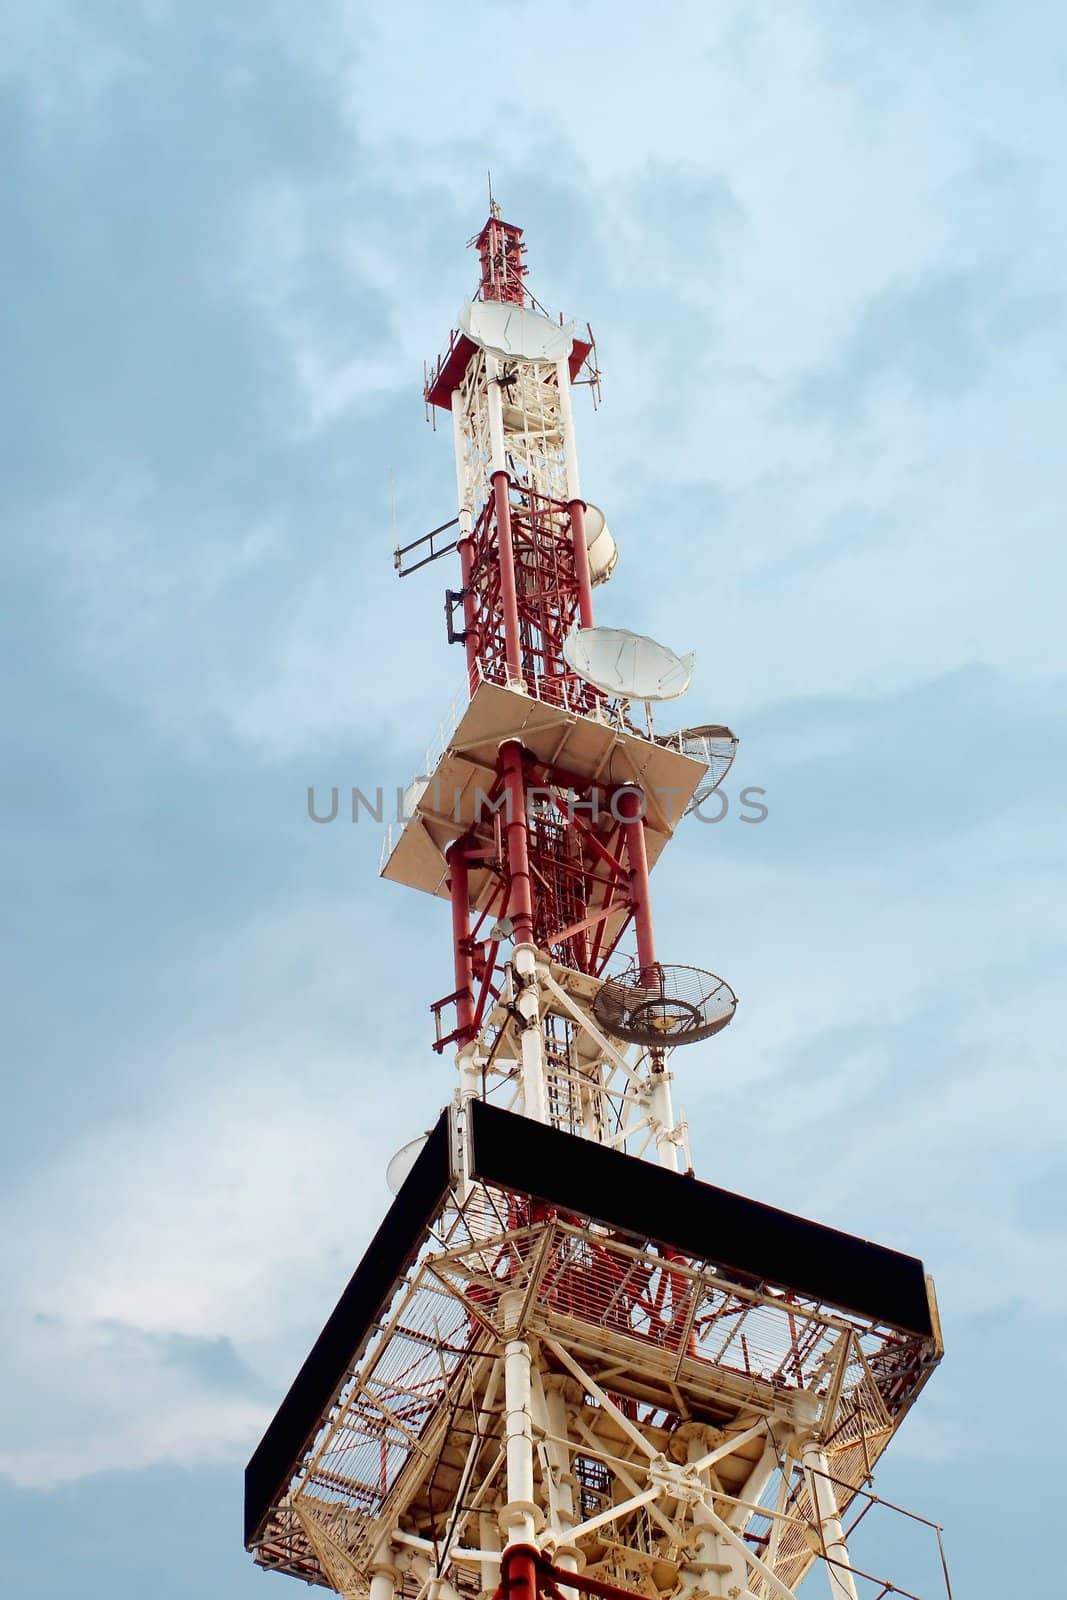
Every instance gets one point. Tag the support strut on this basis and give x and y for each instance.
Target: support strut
(630, 807)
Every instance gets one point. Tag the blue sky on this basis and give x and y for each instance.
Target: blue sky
(824, 249)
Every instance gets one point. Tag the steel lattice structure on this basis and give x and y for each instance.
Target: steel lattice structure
(565, 1366)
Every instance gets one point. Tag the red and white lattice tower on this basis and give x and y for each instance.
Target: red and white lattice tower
(565, 1366)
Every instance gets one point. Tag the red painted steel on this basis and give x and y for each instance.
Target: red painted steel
(470, 622)
(565, 880)
(630, 805)
(461, 941)
(581, 562)
(507, 578)
(516, 825)
(525, 1574)
(500, 250)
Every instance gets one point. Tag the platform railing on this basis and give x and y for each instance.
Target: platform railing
(564, 692)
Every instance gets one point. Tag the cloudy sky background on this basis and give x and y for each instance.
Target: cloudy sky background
(824, 250)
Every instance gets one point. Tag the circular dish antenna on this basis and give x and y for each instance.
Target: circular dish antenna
(603, 551)
(627, 664)
(515, 333)
(402, 1163)
(664, 1006)
(711, 743)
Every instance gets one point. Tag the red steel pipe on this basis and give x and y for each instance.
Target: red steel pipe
(518, 1573)
(524, 1571)
(629, 808)
(581, 563)
(459, 884)
(508, 593)
(516, 824)
(470, 642)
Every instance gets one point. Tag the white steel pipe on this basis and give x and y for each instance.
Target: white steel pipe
(566, 416)
(661, 1112)
(531, 1043)
(457, 1553)
(754, 1485)
(838, 1567)
(470, 1073)
(519, 1513)
(535, 1101)
(771, 1581)
(489, 1539)
(459, 446)
(716, 1569)
(561, 1493)
(497, 458)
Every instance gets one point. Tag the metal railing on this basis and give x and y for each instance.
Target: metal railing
(564, 692)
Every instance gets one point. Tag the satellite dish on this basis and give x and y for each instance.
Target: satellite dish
(402, 1163)
(603, 551)
(627, 664)
(515, 333)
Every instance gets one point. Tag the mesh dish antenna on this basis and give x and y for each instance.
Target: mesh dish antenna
(660, 1006)
(515, 333)
(627, 664)
(711, 743)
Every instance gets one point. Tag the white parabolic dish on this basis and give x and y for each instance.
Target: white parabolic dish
(627, 664)
(401, 1164)
(515, 333)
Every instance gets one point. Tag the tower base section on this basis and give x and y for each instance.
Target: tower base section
(666, 1387)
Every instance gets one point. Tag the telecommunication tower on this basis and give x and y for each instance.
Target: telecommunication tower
(565, 1366)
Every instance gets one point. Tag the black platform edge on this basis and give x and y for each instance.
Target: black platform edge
(755, 1241)
(388, 1256)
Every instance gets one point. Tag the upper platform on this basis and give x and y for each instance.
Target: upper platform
(577, 747)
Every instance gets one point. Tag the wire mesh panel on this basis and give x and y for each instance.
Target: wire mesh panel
(664, 1005)
(711, 743)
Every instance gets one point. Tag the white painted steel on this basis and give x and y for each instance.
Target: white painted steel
(718, 1570)
(628, 664)
(514, 332)
(519, 1514)
(570, 448)
(497, 457)
(460, 448)
(561, 1495)
(383, 1584)
(755, 1485)
(661, 1114)
(842, 1583)
(531, 1044)
(489, 1539)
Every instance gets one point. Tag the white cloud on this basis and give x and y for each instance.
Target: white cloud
(82, 1398)
(229, 1210)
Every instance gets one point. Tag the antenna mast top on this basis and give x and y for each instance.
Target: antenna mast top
(501, 250)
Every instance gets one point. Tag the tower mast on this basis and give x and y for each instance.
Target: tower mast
(565, 1366)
